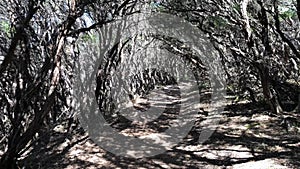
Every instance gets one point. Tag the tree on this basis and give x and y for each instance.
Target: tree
(258, 43)
(38, 44)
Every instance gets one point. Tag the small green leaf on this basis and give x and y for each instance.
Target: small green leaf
(252, 125)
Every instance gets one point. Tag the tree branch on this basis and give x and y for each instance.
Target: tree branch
(282, 35)
(16, 38)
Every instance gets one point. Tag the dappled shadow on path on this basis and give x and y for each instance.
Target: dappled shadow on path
(246, 137)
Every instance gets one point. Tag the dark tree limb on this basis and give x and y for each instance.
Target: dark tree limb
(9, 57)
(280, 32)
(298, 9)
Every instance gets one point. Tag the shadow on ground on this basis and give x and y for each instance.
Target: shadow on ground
(247, 137)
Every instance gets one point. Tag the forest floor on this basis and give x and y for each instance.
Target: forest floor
(247, 136)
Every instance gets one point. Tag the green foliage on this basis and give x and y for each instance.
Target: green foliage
(88, 37)
(290, 13)
(157, 7)
(5, 26)
(252, 125)
(237, 7)
(217, 21)
(220, 22)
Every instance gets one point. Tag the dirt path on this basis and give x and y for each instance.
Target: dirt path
(247, 137)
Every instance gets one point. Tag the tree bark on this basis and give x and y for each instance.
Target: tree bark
(267, 92)
(298, 9)
(8, 161)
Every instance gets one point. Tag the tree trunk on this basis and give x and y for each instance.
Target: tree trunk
(8, 161)
(298, 9)
(268, 95)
